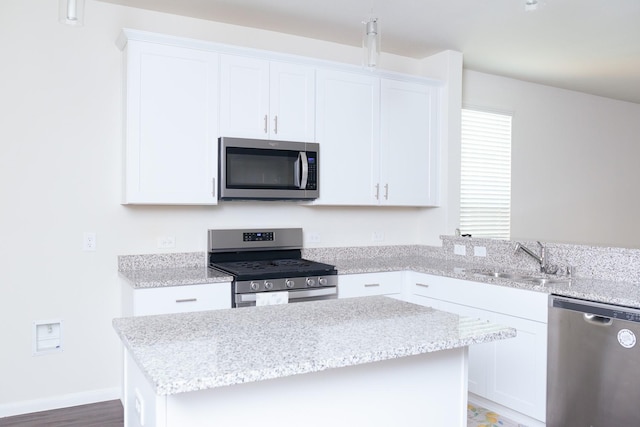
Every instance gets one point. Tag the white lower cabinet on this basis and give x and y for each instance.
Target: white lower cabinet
(368, 284)
(510, 372)
(177, 299)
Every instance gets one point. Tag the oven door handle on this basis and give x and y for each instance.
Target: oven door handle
(304, 293)
(302, 170)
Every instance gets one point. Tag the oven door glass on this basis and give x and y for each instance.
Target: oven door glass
(302, 295)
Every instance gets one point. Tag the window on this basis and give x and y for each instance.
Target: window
(485, 184)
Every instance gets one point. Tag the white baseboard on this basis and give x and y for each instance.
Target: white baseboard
(520, 418)
(57, 402)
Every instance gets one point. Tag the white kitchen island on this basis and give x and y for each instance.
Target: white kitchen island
(371, 361)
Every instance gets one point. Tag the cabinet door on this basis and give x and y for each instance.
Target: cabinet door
(171, 125)
(510, 372)
(347, 128)
(409, 144)
(244, 97)
(292, 102)
(368, 284)
(517, 377)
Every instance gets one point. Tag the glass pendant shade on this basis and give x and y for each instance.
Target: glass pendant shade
(71, 12)
(371, 43)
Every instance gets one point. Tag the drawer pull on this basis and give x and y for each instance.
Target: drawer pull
(422, 285)
(187, 300)
(371, 285)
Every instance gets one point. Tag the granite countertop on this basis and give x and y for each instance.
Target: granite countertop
(161, 277)
(610, 292)
(605, 291)
(196, 351)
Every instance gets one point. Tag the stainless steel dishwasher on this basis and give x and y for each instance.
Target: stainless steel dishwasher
(593, 365)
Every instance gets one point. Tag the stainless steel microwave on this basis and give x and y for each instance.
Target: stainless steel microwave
(258, 169)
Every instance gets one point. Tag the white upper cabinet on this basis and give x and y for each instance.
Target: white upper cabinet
(266, 99)
(409, 146)
(379, 140)
(348, 110)
(378, 131)
(171, 125)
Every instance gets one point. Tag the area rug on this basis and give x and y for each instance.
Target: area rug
(480, 417)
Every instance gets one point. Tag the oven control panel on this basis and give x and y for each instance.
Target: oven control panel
(258, 237)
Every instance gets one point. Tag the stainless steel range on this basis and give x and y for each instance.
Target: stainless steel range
(268, 267)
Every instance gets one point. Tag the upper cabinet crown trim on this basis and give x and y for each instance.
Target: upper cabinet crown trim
(128, 34)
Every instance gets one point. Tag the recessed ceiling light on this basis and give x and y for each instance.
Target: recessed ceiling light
(531, 5)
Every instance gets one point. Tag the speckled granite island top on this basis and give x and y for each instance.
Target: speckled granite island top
(197, 351)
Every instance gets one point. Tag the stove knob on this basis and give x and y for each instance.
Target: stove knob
(255, 286)
(289, 283)
(268, 285)
(311, 282)
(322, 281)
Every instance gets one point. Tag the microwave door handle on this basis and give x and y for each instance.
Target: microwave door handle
(304, 163)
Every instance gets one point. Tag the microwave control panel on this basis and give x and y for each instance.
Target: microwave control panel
(312, 180)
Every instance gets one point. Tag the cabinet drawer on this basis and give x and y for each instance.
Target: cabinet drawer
(368, 284)
(181, 299)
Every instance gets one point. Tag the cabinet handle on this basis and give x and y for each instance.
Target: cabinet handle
(386, 191)
(378, 191)
(213, 189)
(275, 125)
(371, 285)
(187, 300)
(265, 123)
(422, 285)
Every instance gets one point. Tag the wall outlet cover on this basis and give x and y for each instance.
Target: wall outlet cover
(480, 251)
(460, 250)
(89, 241)
(314, 238)
(166, 242)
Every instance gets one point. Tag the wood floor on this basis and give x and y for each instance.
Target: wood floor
(103, 414)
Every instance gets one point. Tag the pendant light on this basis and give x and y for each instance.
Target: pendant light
(71, 12)
(371, 42)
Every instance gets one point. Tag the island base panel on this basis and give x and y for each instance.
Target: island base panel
(424, 390)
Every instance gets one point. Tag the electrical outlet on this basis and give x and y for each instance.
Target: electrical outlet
(377, 236)
(480, 251)
(314, 238)
(166, 242)
(460, 250)
(139, 406)
(89, 241)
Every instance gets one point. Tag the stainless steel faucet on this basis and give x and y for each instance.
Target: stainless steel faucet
(541, 259)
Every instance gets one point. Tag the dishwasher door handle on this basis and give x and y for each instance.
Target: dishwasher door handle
(597, 320)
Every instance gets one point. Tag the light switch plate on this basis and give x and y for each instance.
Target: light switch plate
(460, 250)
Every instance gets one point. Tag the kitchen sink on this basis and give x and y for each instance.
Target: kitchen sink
(537, 280)
(501, 275)
(546, 280)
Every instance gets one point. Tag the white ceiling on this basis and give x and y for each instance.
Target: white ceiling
(590, 46)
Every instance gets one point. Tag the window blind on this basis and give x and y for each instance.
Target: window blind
(485, 187)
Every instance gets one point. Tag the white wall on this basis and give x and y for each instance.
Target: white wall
(574, 161)
(60, 164)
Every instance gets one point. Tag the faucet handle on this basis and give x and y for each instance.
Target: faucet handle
(570, 270)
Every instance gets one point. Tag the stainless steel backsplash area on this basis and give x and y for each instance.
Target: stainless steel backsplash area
(616, 264)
